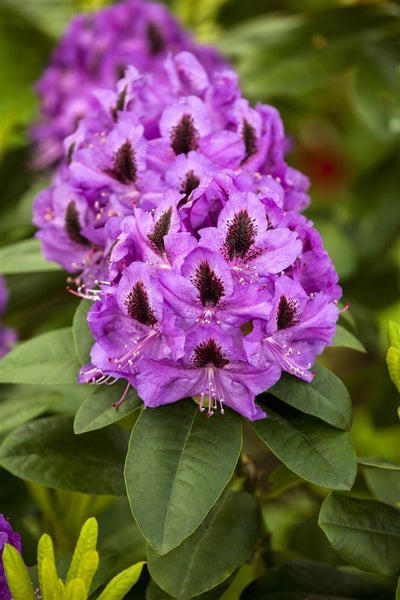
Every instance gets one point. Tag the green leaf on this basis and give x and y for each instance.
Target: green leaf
(24, 257)
(17, 574)
(280, 480)
(384, 484)
(86, 543)
(120, 585)
(326, 397)
(394, 334)
(365, 533)
(97, 410)
(47, 571)
(47, 451)
(310, 448)
(224, 540)
(393, 364)
(47, 358)
(83, 338)
(75, 590)
(344, 339)
(19, 404)
(178, 464)
(301, 579)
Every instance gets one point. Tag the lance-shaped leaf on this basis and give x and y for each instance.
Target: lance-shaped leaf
(343, 338)
(326, 397)
(309, 447)
(97, 410)
(177, 466)
(47, 358)
(47, 451)
(224, 540)
(305, 579)
(21, 403)
(24, 257)
(47, 571)
(17, 574)
(86, 543)
(365, 533)
(120, 585)
(83, 338)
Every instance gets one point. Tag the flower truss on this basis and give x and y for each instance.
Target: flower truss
(7, 536)
(93, 53)
(176, 212)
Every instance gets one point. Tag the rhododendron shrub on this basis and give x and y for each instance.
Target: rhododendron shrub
(177, 391)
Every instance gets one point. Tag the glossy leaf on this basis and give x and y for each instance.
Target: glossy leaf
(47, 451)
(83, 338)
(310, 448)
(97, 410)
(47, 358)
(326, 397)
(24, 257)
(365, 533)
(384, 484)
(301, 579)
(120, 585)
(224, 541)
(344, 339)
(177, 466)
(20, 404)
(17, 575)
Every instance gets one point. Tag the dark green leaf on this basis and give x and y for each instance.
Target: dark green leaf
(280, 480)
(344, 339)
(384, 484)
(83, 338)
(177, 466)
(224, 540)
(98, 411)
(309, 447)
(300, 579)
(326, 397)
(46, 359)
(365, 533)
(24, 257)
(20, 404)
(47, 451)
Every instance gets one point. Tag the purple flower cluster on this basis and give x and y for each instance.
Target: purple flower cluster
(8, 336)
(94, 53)
(7, 536)
(177, 213)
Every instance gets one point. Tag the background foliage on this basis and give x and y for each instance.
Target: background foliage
(332, 70)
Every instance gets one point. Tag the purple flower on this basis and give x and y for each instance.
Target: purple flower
(8, 336)
(7, 536)
(94, 53)
(214, 367)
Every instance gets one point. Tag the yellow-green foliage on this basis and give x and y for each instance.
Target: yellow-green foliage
(393, 353)
(84, 564)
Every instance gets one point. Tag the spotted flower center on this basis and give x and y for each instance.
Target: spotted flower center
(249, 138)
(190, 183)
(120, 103)
(124, 165)
(209, 284)
(287, 310)
(138, 305)
(73, 226)
(184, 136)
(155, 39)
(242, 230)
(161, 228)
(209, 353)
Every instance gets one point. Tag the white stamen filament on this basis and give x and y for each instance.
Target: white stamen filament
(140, 343)
(212, 395)
(286, 356)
